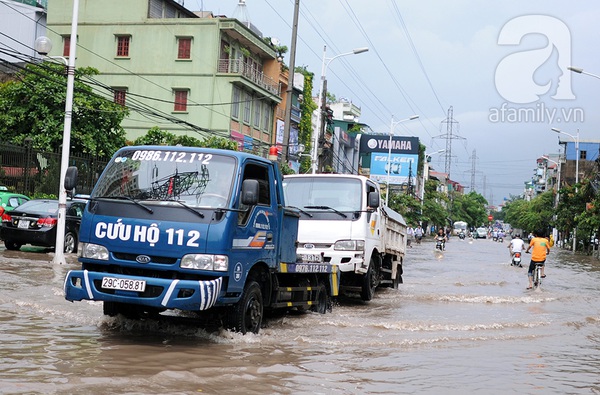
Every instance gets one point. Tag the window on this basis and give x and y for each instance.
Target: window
(184, 48)
(235, 106)
(123, 46)
(266, 117)
(181, 96)
(120, 95)
(583, 155)
(247, 106)
(257, 107)
(66, 45)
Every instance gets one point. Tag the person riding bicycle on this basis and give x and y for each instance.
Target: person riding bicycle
(516, 245)
(541, 248)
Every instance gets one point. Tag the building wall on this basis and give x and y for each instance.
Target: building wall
(20, 25)
(152, 70)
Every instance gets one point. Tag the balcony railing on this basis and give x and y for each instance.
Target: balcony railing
(239, 67)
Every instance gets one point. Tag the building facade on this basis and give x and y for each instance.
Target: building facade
(183, 72)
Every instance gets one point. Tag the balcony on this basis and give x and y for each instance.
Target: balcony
(241, 68)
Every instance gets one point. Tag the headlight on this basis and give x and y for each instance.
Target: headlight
(349, 245)
(93, 251)
(218, 263)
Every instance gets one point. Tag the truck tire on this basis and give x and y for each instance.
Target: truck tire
(370, 282)
(322, 300)
(247, 314)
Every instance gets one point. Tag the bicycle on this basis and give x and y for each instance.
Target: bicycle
(537, 275)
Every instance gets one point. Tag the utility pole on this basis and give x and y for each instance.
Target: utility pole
(290, 88)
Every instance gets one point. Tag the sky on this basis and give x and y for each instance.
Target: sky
(493, 75)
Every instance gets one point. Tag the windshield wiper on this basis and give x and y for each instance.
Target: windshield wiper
(302, 211)
(123, 197)
(327, 208)
(198, 213)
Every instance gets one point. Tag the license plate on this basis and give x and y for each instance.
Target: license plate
(23, 224)
(123, 284)
(312, 258)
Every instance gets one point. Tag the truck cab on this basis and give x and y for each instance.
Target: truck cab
(189, 229)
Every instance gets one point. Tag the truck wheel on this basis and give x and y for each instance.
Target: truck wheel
(322, 300)
(370, 282)
(246, 316)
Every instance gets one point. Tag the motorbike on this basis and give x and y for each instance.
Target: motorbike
(516, 260)
(461, 235)
(440, 243)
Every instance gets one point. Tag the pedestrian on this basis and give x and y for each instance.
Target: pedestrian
(409, 235)
(541, 248)
(418, 234)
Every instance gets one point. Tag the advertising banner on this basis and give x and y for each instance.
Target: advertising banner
(402, 153)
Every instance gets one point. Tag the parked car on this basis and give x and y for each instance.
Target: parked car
(9, 201)
(34, 222)
(481, 233)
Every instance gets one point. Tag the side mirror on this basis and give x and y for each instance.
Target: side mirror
(71, 178)
(373, 199)
(250, 192)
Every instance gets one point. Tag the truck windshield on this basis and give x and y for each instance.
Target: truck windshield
(316, 193)
(196, 179)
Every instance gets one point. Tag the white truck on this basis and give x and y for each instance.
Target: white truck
(343, 222)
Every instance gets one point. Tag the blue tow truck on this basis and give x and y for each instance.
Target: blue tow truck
(194, 229)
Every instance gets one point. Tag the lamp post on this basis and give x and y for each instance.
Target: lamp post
(317, 128)
(554, 230)
(576, 140)
(59, 254)
(392, 125)
(426, 172)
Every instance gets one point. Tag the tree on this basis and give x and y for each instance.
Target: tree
(307, 107)
(434, 205)
(469, 208)
(531, 215)
(156, 136)
(33, 107)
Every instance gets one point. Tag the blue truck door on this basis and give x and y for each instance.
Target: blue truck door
(256, 236)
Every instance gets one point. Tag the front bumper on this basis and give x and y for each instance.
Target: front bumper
(160, 293)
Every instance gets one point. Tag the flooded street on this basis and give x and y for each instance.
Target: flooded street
(461, 323)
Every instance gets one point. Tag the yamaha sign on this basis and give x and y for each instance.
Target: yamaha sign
(396, 160)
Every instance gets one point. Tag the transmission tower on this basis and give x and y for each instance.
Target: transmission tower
(451, 124)
(473, 161)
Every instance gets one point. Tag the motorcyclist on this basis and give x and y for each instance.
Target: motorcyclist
(441, 237)
(516, 245)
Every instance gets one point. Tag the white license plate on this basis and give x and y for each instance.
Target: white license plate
(312, 258)
(123, 284)
(23, 224)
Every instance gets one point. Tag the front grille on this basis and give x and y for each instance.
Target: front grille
(163, 260)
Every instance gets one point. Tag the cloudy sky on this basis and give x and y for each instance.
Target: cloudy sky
(500, 66)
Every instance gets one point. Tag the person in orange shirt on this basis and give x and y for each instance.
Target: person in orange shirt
(541, 248)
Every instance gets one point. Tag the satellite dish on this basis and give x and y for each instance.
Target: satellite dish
(275, 41)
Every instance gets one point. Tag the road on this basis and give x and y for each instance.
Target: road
(462, 322)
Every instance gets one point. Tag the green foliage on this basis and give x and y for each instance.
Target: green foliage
(307, 107)
(579, 209)
(33, 107)
(407, 205)
(470, 208)
(434, 205)
(156, 136)
(531, 215)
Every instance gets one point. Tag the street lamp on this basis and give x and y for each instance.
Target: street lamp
(580, 71)
(392, 125)
(576, 140)
(426, 172)
(41, 46)
(316, 130)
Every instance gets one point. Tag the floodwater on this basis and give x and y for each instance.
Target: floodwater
(461, 323)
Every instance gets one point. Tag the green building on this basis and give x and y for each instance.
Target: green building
(185, 72)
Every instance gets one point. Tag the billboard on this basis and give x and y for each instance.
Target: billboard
(395, 159)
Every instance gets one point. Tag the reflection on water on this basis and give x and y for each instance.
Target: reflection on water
(462, 322)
